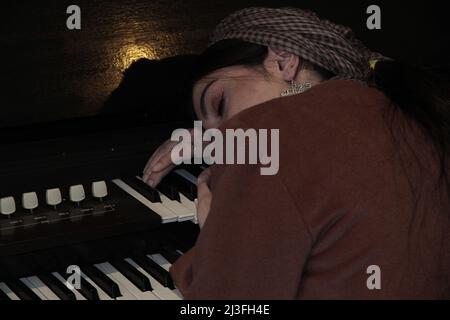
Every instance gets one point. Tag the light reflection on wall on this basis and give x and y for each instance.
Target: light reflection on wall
(132, 52)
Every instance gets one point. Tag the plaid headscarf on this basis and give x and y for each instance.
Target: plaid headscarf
(301, 32)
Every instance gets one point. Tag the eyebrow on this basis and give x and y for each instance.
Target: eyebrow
(202, 99)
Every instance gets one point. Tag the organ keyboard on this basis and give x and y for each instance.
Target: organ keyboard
(83, 204)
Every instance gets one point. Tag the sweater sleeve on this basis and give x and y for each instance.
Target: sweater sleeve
(253, 245)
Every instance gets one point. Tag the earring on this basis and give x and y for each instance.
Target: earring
(296, 88)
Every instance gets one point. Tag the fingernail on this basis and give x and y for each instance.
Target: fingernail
(151, 183)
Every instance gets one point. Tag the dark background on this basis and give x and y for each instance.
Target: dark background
(49, 72)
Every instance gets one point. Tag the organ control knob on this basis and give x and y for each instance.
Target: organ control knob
(53, 197)
(30, 201)
(99, 189)
(7, 206)
(77, 194)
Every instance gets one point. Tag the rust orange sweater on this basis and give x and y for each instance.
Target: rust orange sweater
(350, 193)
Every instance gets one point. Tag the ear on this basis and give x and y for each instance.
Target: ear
(281, 64)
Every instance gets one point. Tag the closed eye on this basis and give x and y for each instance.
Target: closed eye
(221, 106)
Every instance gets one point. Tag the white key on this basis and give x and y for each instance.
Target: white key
(76, 193)
(165, 214)
(78, 295)
(33, 288)
(102, 294)
(189, 204)
(158, 289)
(99, 189)
(30, 201)
(177, 208)
(49, 295)
(187, 175)
(7, 206)
(178, 294)
(8, 291)
(53, 197)
(113, 273)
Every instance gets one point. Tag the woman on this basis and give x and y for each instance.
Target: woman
(360, 206)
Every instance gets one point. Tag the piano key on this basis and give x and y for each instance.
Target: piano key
(106, 284)
(193, 171)
(33, 288)
(167, 188)
(186, 175)
(4, 296)
(177, 208)
(160, 260)
(189, 204)
(125, 293)
(165, 214)
(21, 290)
(178, 293)
(184, 186)
(46, 291)
(112, 272)
(133, 275)
(101, 294)
(57, 287)
(143, 188)
(78, 295)
(159, 290)
(171, 255)
(155, 270)
(9, 293)
(88, 290)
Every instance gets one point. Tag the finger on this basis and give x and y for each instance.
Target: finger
(157, 154)
(204, 202)
(204, 176)
(154, 178)
(162, 153)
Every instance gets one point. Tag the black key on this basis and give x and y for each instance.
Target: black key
(170, 255)
(132, 274)
(4, 296)
(143, 188)
(184, 186)
(155, 270)
(57, 287)
(88, 290)
(21, 290)
(193, 169)
(167, 187)
(104, 282)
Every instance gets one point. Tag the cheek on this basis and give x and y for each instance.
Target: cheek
(244, 96)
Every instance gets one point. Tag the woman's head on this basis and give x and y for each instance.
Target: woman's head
(256, 52)
(233, 75)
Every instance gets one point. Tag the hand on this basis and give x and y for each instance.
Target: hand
(160, 163)
(204, 197)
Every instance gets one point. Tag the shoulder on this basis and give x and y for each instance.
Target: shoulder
(330, 101)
